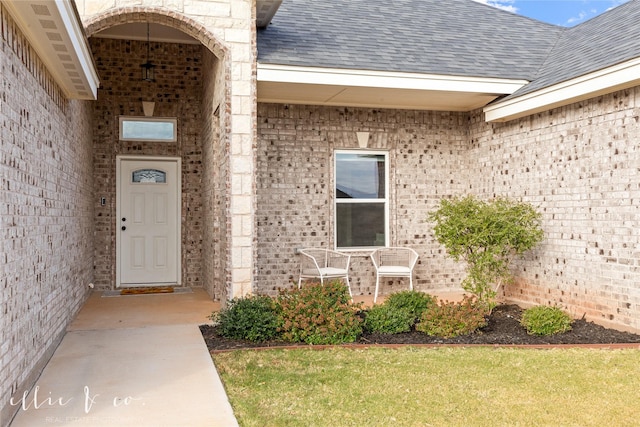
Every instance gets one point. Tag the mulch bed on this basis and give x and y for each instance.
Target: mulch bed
(503, 328)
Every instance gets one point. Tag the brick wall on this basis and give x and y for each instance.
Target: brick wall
(580, 165)
(46, 213)
(177, 92)
(214, 181)
(427, 155)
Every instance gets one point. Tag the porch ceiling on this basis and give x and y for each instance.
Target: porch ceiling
(138, 31)
(374, 89)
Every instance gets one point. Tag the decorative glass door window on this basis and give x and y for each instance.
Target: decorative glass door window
(361, 199)
(146, 176)
(148, 129)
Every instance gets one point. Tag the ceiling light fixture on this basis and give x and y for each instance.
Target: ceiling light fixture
(148, 67)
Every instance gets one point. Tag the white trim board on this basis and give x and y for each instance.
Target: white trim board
(386, 79)
(618, 77)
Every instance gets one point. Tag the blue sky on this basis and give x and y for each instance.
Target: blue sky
(562, 12)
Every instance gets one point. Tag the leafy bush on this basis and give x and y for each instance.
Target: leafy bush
(398, 313)
(414, 301)
(387, 319)
(487, 236)
(253, 318)
(451, 319)
(319, 314)
(545, 320)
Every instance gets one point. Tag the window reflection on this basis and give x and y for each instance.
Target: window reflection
(360, 176)
(148, 129)
(360, 199)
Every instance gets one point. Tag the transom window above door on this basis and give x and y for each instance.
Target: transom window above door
(361, 199)
(148, 129)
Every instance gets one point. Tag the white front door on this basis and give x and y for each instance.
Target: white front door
(148, 225)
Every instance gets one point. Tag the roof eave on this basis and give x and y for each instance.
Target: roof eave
(265, 11)
(55, 32)
(378, 89)
(617, 77)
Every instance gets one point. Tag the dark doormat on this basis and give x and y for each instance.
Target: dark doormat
(147, 290)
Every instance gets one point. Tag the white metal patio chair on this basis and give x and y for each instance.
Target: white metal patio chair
(393, 262)
(317, 263)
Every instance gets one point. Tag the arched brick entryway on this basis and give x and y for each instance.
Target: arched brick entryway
(204, 144)
(156, 15)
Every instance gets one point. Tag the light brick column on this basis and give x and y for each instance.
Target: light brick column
(242, 170)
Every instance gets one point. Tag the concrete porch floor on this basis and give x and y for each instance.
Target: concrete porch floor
(137, 311)
(136, 360)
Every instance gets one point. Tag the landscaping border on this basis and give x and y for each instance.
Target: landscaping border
(612, 346)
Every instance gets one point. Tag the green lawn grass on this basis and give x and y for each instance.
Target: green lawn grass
(477, 386)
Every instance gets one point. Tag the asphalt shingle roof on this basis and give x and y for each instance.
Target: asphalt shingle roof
(452, 37)
(601, 42)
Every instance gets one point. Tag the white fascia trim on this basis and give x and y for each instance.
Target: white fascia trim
(63, 14)
(620, 76)
(80, 44)
(385, 79)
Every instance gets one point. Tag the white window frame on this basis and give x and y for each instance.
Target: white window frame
(172, 120)
(337, 201)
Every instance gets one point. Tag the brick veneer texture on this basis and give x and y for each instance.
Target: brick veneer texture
(427, 155)
(46, 208)
(177, 92)
(214, 181)
(578, 165)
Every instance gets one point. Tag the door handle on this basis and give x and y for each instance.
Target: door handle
(124, 228)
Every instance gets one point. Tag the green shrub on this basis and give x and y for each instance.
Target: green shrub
(414, 301)
(451, 319)
(398, 313)
(487, 236)
(545, 320)
(319, 314)
(387, 319)
(253, 318)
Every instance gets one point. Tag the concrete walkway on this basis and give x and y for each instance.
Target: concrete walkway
(136, 360)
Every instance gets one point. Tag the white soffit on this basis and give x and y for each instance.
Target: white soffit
(618, 77)
(376, 89)
(55, 32)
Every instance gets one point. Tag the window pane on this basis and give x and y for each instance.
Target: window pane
(360, 224)
(149, 130)
(360, 176)
(149, 176)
